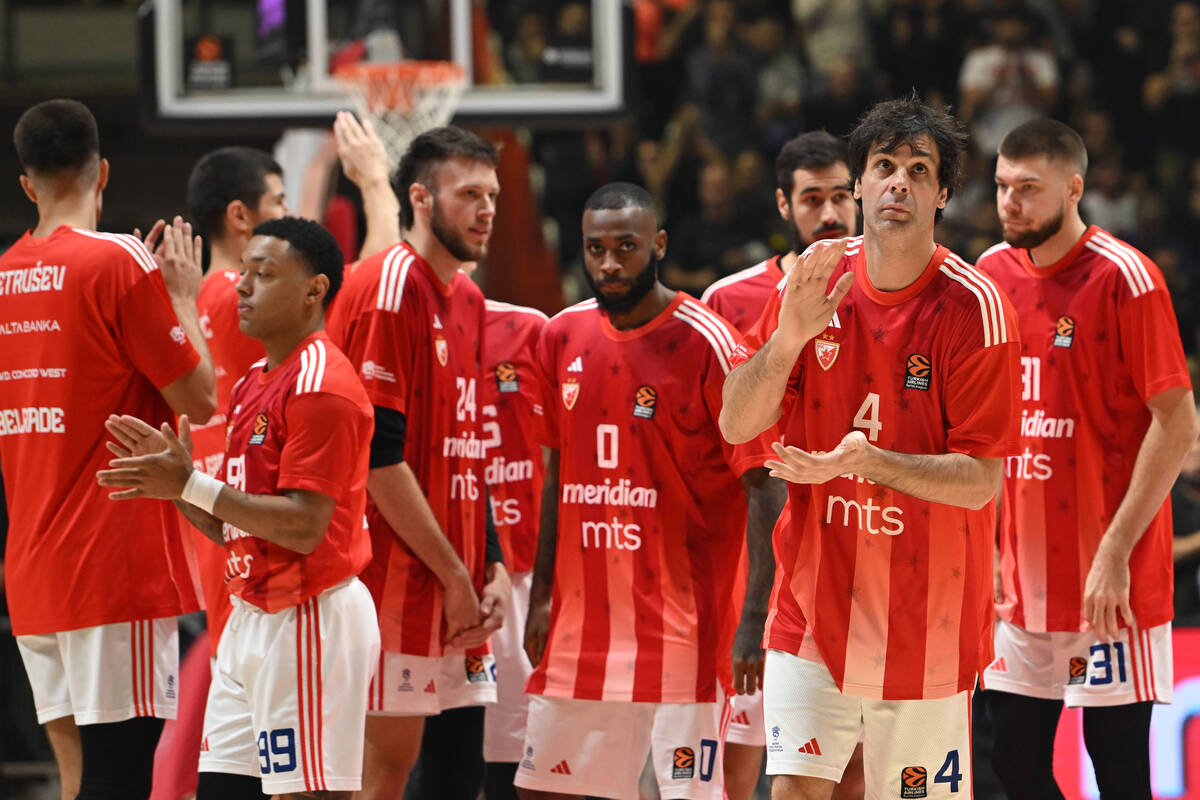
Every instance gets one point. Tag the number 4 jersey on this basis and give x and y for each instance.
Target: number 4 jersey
(651, 514)
(894, 593)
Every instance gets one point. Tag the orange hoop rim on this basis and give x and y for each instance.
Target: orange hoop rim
(425, 72)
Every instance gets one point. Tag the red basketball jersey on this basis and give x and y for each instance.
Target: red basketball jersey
(86, 330)
(418, 346)
(1098, 338)
(651, 514)
(306, 424)
(891, 592)
(509, 393)
(741, 297)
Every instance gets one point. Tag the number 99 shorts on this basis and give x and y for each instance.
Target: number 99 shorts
(1080, 669)
(288, 700)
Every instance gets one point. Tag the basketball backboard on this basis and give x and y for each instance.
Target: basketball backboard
(270, 61)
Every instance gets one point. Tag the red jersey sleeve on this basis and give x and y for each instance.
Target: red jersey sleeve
(983, 392)
(323, 439)
(150, 333)
(757, 336)
(1150, 341)
(545, 410)
(747, 455)
(386, 366)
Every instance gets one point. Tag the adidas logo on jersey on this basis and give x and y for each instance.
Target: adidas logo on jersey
(741, 719)
(561, 768)
(437, 323)
(430, 688)
(998, 665)
(811, 747)
(576, 365)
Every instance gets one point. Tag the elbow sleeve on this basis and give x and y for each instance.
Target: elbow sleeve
(387, 443)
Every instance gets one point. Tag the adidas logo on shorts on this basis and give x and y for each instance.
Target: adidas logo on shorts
(561, 768)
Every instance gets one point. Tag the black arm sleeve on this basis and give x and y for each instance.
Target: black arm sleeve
(387, 443)
(492, 553)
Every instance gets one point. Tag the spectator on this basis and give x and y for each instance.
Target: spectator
(836, 29)
(721, 81)
(845, 96)
(1006, 82)
(524, 55)
(1110, 200)
(783, 83)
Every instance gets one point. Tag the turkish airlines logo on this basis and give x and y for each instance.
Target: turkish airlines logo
(645, 401)
(917, 372)
(260, 429)
(506, 377)
(1064, 331)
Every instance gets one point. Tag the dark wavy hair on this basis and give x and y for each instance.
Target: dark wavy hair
(431, 148)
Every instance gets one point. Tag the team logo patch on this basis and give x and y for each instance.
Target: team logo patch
(1064, 331)
(916, 375)
(527, 761)
(441, 349)
(506, 377)
(260, 429)
(826, 351)
(406, 680)
(645, 400)
(683, 765)
(570, 393)
(476, 669)
(1077, 670)
(775, 746)
(913, 782)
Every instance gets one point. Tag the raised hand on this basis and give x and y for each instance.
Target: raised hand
(807, 309)
(359, 149)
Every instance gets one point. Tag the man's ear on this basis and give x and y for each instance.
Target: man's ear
(1075, 188)
(28, 187)
(660, 245)
(237, 217)
(857, 189)
(785, 206)
(317, 290)
(102, 175)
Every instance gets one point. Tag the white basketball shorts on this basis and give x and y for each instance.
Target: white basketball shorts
(504, 722)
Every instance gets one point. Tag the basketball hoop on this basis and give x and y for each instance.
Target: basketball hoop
(403, 98)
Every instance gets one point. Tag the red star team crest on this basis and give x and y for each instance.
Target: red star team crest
(827, 352)
(441, 349)
(570, 393)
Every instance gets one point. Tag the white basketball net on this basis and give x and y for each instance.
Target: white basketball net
(403, 99)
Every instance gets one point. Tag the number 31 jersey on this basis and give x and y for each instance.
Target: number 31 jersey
(651, 514)
(892, 592)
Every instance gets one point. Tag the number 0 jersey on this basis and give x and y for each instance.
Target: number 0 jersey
(306, 424)
(1098, 339)
(418, 346)
(651, 514)
(894, 593)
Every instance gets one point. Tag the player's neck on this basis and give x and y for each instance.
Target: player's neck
(278, 348)
(895, 260)
(1053, 249)
(71, 209)
(225, 253)
(443, 263)
(649, 307)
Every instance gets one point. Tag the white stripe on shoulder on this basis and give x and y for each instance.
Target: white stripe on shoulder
(1122, 263)
(707, 333)
(990, 290)
(1136, 265)
(312, 368)
(129, 244)
(397, 280)
(586, 305)
(729, 280)
(991, 331)
(496, 305)
(706, 315)
(991, 251)
(384, 274)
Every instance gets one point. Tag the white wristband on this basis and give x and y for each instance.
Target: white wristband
(201, 490)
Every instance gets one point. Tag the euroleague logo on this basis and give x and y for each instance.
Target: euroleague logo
(645, 400)
(913, 782)
(917, 372)
(1064, 331)
(260, 429)
(683, 764)
(1077, 670)
(506, 377)
(476, 669)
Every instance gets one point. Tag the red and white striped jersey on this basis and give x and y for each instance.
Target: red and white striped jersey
(1098, 338)
(891, 592)
(740, 297)
(418, 346)
(86, 330)
(306, 424)
(651, 514)
(233, 353)
(510, 392)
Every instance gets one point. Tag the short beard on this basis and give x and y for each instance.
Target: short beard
(451, 239)
(639, 287)
(1035, 237)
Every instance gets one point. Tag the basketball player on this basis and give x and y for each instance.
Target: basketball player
(814, 199)
(91, 324)
(629, 625)
(515, 472)
(412, 323)
(287, 703)
(891, 366)
(1107, 416)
